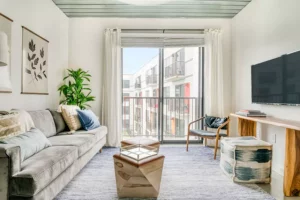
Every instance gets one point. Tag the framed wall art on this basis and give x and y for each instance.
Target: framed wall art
(34, 63)
(5, 54)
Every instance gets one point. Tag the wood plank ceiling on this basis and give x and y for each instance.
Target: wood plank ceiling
(171, 9)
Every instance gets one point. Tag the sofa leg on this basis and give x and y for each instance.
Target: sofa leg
(100, 151)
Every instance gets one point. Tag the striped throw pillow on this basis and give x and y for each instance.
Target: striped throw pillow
(9, 125)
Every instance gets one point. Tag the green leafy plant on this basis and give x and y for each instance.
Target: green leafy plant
(76, 91)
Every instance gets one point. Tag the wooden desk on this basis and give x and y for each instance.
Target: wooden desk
(247, 127)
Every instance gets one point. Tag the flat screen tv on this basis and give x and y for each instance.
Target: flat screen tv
(277, 81)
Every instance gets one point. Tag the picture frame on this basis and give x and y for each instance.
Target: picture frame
(34, 63)
(5, 71)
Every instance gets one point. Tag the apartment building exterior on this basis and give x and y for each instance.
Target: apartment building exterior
(180, 102)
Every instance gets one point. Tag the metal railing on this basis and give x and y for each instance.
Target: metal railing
(151, 79)
(144, 113)
(137, 85)
(175, 69)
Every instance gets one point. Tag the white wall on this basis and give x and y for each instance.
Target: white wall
(263, 30)
(44, 18)
(86, 41)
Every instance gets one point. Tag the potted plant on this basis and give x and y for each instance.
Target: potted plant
(77, 91)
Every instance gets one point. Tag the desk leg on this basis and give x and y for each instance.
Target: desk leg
(292, 163)
(246, 127)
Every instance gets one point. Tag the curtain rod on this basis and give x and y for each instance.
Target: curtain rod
(161, 30)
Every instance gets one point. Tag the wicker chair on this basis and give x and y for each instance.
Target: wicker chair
(210, 122)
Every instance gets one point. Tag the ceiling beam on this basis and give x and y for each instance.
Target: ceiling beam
(151, 7)
(177, 2)
(151, 15)
(144, 11)
(172, 9)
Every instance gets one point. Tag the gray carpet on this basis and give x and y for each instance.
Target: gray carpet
(186, 175)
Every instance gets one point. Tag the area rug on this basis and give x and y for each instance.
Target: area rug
(186, 175)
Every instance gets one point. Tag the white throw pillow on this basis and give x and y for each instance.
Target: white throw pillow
(70, 115)
(25, 120)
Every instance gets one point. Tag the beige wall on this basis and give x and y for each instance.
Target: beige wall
(86, 42)
(44, 18)
(265, 29)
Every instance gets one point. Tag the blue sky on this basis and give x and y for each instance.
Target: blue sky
(135, 58)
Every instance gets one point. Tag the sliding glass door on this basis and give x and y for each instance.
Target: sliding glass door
(180, 79)
(161, 92)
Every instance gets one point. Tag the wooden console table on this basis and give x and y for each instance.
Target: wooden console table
(247, 127)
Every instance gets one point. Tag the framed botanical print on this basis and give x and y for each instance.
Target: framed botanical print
(5, 54)
(34, 63)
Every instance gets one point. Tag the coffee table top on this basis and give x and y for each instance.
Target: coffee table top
(138, 152)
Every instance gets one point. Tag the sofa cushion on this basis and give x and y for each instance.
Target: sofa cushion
(59, 121)
(43, 120)
(41, 169)
(30, 142)
(83, 140)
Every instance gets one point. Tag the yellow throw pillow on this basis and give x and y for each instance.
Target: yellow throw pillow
(9, 125)
(70, 115)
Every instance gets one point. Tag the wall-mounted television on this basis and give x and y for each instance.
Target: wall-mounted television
(277, 81)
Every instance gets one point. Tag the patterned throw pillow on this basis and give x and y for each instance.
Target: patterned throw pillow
(70, 116)
(9, 125)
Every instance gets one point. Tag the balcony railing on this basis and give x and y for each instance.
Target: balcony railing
(151, 79)
(144, 112)
(175, 69)
(138, 85)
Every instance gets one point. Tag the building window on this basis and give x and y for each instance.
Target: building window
(126, 83)
(126, 123)
(126, 110)
(138, 82)
(179, 90)
(167, 91)
(125, 97)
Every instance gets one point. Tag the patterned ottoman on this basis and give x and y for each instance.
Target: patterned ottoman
(246, 159)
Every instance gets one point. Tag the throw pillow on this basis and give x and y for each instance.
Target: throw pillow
(88, 119)
(30, 142)
(59, 121)
(25, 120)
(9, 125)
(70, 116)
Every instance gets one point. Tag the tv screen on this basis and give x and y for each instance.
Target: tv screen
(277, 81)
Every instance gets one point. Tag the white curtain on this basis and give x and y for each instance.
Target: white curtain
(111, 105)
(214, 74)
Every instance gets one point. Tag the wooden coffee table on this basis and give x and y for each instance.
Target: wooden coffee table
(138, 178)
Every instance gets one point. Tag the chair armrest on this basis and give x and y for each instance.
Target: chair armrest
(10, 164)
(195, 121)
(220, 127)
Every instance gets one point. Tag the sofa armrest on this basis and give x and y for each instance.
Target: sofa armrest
(10, 164)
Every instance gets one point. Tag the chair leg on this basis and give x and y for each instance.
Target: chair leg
(216, 147)
(187, 141)
(205, 142)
